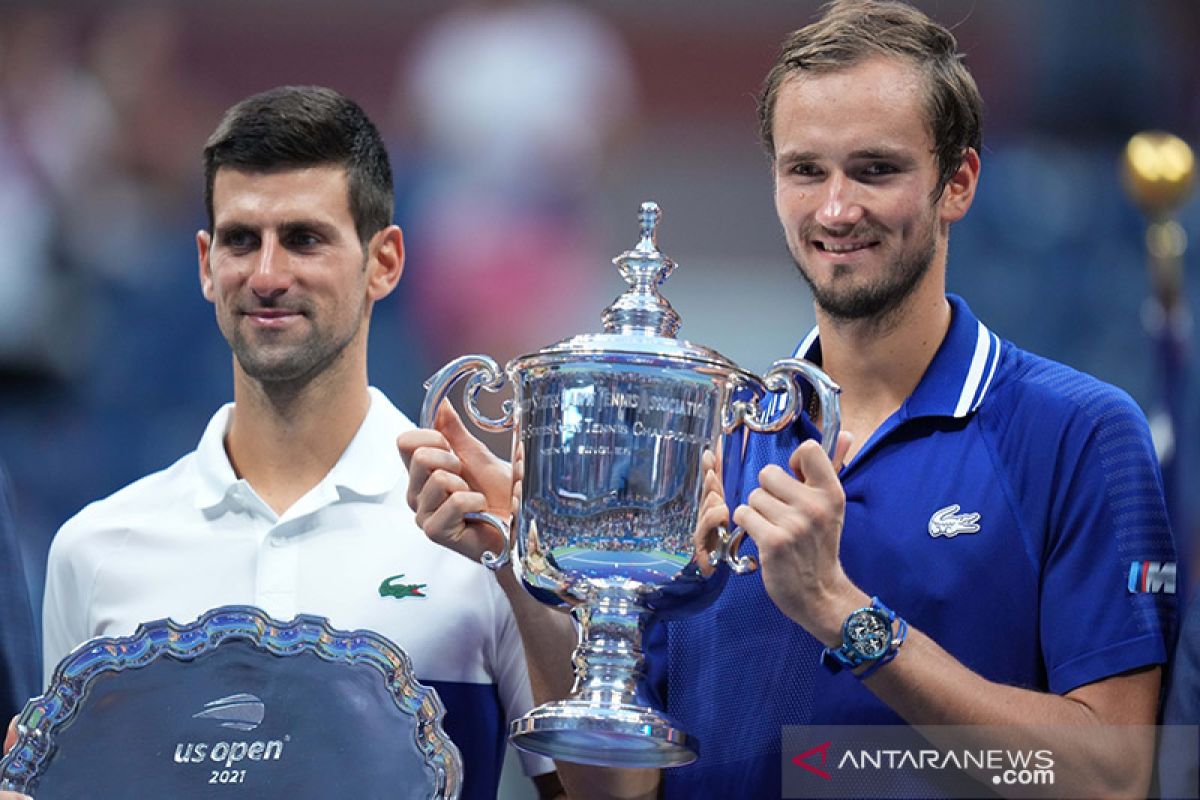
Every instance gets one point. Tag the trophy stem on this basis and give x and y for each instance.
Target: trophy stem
(603, 722)
(608, 662)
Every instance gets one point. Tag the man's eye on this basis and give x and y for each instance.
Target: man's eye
(879, 169)
(806, 170)
(239, 240)
(303, 239)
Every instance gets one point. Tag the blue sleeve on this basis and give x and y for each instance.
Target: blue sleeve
(19, 671)
(1105, 517)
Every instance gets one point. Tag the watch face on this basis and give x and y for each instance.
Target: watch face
(869, 633)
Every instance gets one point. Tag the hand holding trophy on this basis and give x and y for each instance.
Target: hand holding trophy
(616, 438)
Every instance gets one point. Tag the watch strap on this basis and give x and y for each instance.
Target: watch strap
(846, 657)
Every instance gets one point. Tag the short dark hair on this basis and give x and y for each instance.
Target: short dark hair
(850, 31)
(305, 126)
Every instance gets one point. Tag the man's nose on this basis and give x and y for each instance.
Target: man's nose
(272, 275)
(841, 204)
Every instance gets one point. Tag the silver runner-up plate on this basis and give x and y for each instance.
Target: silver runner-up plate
(234, 705)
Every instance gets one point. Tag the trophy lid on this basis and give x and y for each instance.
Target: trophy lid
(640, 322)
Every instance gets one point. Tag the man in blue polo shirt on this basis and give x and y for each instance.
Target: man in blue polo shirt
(995, 550)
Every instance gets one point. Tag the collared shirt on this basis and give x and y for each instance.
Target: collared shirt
(194, 536)
(1002, 510)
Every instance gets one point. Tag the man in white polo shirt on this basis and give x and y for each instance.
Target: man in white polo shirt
(294, 499)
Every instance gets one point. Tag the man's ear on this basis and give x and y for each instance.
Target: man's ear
(960, 189)
(203, 248)
(385, 262)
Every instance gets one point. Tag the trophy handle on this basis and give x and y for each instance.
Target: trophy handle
(485, 375)
(727, 551)
(780, 379)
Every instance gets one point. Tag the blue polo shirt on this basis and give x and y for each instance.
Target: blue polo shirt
(1004, 509)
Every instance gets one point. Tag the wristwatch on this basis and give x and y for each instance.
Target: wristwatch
(867, 639)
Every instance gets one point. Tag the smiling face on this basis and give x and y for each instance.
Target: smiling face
(290, 280)
(855, 175)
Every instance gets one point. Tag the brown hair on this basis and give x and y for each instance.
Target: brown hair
(850, 31)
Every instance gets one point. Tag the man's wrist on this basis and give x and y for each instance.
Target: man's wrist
(828, 628)
(871, 637)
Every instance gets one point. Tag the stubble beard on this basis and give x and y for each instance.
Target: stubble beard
(289, 364)
(878, 300)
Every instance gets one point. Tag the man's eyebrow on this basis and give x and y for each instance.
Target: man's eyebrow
(228, 228)
(793, 156)
(881, 152)
(316, 225)
(285, 228)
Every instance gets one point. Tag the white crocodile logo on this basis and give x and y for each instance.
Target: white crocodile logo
(949, 523)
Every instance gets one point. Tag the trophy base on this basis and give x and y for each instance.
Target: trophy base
(604, 736)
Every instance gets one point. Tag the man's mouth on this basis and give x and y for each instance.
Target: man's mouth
(271, 317)
(842, 248)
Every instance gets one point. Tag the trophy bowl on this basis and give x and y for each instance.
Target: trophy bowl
(610, 435)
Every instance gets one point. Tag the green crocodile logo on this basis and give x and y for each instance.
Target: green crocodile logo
(400, 590)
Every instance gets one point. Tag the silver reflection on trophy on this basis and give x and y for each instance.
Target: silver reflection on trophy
(610, 435)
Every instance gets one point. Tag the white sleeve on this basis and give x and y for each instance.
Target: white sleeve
(512, 677)
(65, 605)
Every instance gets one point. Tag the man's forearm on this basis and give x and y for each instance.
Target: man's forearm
(1101, 734)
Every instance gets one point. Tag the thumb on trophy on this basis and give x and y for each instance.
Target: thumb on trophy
(481, 468)
(448, 423)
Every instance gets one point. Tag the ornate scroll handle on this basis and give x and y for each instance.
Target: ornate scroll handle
(485, 375)
(781, 378)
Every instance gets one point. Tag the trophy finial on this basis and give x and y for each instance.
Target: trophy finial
(649, 216)
(642, 309)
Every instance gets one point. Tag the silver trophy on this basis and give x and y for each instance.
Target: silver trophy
(610, 432)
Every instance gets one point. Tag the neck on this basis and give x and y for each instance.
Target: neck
(285, 437)
(878, 363)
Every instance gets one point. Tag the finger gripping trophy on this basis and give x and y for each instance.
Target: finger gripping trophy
(613, 434)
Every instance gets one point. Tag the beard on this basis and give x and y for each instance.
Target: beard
(288, 362)
(878, 299)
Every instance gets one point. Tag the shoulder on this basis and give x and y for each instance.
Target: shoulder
(102, 524)
(1038, 393)
(1072, 448)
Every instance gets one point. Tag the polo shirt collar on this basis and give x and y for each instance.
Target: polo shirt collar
(957, 380)
(369, 467)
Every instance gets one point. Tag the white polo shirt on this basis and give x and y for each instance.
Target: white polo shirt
(193, 536)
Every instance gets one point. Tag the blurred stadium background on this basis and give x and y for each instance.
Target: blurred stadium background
(523, 137)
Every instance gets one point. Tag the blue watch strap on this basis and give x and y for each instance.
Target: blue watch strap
(849, 657)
